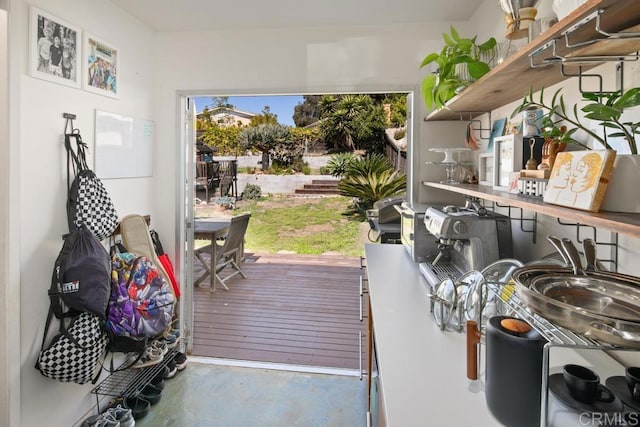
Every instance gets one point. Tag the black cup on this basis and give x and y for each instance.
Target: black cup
(632, 376)
(584, 385)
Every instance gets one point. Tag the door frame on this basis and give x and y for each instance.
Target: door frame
(186, 172)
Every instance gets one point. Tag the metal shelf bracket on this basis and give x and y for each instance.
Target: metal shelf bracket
(520, 217)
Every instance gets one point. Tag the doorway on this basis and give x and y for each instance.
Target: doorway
(283, 264)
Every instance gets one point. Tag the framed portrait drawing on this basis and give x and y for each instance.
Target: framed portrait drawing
(54, 49)
(507, 158)
(485, 169)
(100, 67)
(579, 179)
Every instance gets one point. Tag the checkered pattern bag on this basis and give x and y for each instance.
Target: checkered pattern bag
(88, 203)
(75, 353)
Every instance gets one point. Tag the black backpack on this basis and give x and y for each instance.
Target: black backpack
(81, 279)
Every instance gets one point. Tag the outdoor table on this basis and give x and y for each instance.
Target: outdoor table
(207, 229)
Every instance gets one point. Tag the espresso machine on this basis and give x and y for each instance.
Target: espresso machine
(469, 238)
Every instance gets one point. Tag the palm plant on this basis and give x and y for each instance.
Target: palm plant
(371, 178)
(372, 187)
(339, 163)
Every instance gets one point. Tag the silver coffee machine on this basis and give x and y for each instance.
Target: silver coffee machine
(469, 238)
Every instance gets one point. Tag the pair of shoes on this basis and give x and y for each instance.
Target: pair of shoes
(152, 356)
(122, 415)
(160, 345)
(171, 337)
(171, 370)
(169, 340)
(181, 360)
(113, 417)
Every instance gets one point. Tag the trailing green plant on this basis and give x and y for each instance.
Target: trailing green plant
(251, 192)
(605, 107)
(339, 162)
(443, 84)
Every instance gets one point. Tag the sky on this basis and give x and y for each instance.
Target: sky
(281, 105)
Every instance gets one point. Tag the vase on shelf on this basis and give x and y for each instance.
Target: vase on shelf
(622, 192)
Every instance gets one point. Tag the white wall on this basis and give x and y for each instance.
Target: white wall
(38, 185)
(5, 355)
(311, 60)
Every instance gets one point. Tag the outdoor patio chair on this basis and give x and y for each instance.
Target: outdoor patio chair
(229, 253)
(202, 179)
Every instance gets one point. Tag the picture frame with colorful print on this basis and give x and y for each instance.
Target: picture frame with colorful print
(497, 129)
(579, 179)
(100, 73)
(54, 49)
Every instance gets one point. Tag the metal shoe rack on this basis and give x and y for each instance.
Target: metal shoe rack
(129, 382)
(555, 335)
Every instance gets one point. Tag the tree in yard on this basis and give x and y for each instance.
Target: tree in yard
(266, 118)
(265, 138)
(308, 111)
(225, 139)
(352, 122)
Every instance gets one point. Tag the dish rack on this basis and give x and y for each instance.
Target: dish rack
(129, 382)
(556, 336)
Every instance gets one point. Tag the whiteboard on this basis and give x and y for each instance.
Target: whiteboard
(124, 146)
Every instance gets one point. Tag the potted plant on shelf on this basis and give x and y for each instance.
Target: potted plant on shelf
(607, 110)
(450, 77)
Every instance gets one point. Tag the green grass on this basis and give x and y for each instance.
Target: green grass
(304, 226)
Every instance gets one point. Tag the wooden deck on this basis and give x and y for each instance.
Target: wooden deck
(293, 309)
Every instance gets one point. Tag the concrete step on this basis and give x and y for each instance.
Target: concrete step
(321, 185)
(325, 181)
(316, 191)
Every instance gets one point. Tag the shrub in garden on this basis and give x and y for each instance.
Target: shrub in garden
(251, 192)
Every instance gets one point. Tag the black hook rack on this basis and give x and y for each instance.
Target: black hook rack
(69, 123)
(472, 120)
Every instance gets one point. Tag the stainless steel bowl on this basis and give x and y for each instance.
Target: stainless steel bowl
(606, 297)
(602, 328)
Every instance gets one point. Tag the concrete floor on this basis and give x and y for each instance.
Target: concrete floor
(205, 395)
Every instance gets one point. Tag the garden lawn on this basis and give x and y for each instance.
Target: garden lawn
(303, 225)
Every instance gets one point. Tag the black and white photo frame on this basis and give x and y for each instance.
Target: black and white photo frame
(54, 49)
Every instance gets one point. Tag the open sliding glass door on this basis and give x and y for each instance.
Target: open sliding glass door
(187, 106)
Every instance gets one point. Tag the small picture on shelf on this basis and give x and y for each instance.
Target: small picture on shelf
(497, 129)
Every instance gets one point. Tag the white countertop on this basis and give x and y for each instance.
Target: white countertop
(423, 369)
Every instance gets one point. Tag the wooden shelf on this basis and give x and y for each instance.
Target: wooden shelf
(512, 79)
(628, 224)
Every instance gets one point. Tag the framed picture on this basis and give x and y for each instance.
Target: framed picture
(485, 168)
(497, 129)
(579, 179)
(54, 49)
(507, 158)
(100, 67)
